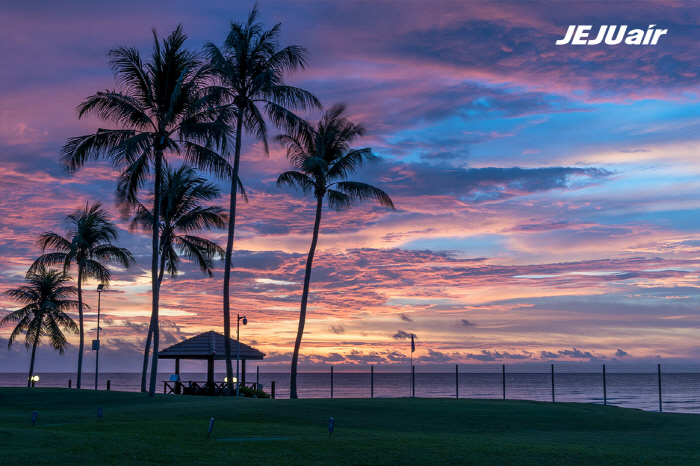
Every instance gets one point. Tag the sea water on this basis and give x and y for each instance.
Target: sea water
(624, 386)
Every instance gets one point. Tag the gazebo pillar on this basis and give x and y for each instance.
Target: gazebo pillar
(210, 375)
(178, 384)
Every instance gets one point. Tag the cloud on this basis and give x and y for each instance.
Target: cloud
(401, 335)
(339, 330)
(372, 357)
(481, 184)
(405, 317)
(466, 323)
(577, 354)
(621, 354)
(435, 357)
(487, 355)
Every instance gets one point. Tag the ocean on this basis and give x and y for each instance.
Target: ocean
(628, 386)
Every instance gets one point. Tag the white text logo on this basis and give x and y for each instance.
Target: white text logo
(577, 35)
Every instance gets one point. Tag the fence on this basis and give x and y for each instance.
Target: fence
(652, 387)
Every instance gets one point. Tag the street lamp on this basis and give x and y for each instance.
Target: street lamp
(96, 343)
(238, 350)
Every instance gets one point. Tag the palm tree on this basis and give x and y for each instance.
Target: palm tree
(163, 107)
(88, 244)
(250, 69)
(323, 161)
(46, 301)
(181, 214)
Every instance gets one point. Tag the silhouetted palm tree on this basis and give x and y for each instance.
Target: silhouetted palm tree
(88, 244)
(250, 69)
(163, 107)
(323, 161)
(182, 214)
(46, 301)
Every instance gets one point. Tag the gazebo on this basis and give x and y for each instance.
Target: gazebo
(210, 347)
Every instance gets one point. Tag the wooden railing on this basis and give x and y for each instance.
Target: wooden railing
(199, 388)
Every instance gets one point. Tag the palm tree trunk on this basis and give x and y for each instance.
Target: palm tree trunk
(154, 267)
(304, 299)
(229, 253)
(31, 364)
(80, 318)
(150, 330)
(146, 353)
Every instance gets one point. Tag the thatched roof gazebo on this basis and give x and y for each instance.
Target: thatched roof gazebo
(210, 347)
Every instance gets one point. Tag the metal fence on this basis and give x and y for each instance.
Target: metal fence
(661, 387)
(652, 387)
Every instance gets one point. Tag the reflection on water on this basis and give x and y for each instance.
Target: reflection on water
(624, 387)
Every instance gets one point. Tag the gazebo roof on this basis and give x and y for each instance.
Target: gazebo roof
(208, 345)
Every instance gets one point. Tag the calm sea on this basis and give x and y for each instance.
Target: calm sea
(625, 386)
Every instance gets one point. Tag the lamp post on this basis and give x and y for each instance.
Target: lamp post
(96, 343)
(238, 350)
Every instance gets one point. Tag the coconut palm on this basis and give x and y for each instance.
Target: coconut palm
(250, 68)
(46, 300)
(323, 160)
(88, 244)
(163, 108)
(182, 214)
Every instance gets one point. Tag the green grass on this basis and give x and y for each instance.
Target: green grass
(171, 429)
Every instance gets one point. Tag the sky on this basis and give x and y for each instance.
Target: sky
(547, 197)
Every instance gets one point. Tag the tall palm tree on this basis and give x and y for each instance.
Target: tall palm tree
(182, 214)
(88, 244)
(163, 107)
(250, 69)
(323, 161)
(46, 301)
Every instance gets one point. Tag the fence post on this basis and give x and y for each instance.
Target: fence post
(660, 406)
(70, 382)
(371, 382)
(552, 383)
(413, 380)
(504, 381)
(272, 389)
(605, 389)
(109, 385)
(456, 380)
(331, 381)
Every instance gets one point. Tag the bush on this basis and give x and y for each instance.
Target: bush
(249, 392)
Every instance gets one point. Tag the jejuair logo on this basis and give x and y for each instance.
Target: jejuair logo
(577, 35)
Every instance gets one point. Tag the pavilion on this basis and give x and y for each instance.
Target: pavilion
(210, 347)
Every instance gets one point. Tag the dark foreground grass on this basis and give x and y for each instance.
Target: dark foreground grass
(172, 429)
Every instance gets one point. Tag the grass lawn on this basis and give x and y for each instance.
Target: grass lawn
(171, 429)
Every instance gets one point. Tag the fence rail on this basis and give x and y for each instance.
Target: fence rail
(662, 387)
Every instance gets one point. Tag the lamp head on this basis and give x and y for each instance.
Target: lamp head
(245, 321)
(100, 287)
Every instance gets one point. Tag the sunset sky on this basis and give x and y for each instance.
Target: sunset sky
(548, 197)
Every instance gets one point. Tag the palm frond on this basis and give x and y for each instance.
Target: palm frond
(338, 200)
(117, 107)
(350, 163)
(79, 150)
(297, 180)
(364, 191)
(199, 250)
